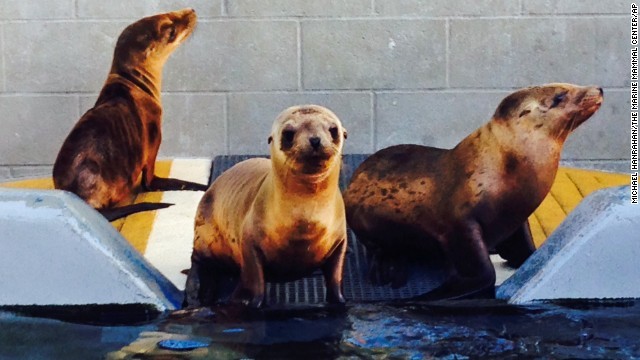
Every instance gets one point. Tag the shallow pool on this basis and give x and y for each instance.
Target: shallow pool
(445, 330)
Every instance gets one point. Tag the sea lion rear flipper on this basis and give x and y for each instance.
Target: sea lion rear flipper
(471, 270)
(119, 212)
(517, 248)
(167, 184)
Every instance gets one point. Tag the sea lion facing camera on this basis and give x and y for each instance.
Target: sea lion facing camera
(111, 151)
(275, 219)
(410, 201)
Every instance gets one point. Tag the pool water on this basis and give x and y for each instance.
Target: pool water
(466, 329)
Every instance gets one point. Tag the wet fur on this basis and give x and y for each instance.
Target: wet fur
(417, 202)
(110, 153)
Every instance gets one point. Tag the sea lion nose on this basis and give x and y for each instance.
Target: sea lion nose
(315, 142)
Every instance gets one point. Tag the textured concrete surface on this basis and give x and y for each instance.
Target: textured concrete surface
(353, 109)
(592, 255)
(446, 62)
(58, 251)
(447, 7)
(398, 54)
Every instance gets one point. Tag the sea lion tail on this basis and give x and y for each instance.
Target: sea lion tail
(122, 211)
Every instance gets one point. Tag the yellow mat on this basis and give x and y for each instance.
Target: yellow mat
(135, 228)
(568, 189)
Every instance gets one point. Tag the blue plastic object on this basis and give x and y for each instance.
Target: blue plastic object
(181, 345)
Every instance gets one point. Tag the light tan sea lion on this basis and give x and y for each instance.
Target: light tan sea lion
(275, 219)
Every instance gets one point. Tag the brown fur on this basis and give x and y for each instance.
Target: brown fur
(277, 219)
(111, 151)
(457, 204)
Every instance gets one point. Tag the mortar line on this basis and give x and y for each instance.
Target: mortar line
(373, 7)
(452, 90)
(373, 125)
(4, 62)
(227, 146)
(299, 53)
(447, 48)
(223, 8)
(521, 7)
(76, 9)
(583, 16)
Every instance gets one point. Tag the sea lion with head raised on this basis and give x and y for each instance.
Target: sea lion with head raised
(111, 151)
(411, 201)
(275, 219)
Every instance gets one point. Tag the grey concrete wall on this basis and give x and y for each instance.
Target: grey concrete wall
(395, 71)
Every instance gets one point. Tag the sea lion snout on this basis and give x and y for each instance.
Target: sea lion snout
(310, 136)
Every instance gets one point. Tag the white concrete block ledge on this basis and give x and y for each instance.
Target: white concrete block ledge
(593, 254)
(56, 250)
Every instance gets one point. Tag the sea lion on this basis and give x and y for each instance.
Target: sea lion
(275, 219)
(455, 205)
(110, 153)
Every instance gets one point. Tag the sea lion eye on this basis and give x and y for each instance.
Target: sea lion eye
(287, 135)
(172, 34)
(334, 132)
(558, 99)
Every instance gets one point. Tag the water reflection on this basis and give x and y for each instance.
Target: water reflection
(446, 330)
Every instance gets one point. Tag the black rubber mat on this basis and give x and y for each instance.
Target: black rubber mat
(357, 287)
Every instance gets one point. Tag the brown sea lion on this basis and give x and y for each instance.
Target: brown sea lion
(277, 219)
(411, 201)
(110, 154)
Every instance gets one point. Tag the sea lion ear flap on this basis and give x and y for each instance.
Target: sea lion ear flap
(270, 139)
(508, 105)
(345, 133)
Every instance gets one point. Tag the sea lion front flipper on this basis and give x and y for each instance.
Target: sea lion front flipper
(112, 214)
(167, 184)
(251, 288)
(332, 271)
(200, 288)
(471, 270)
(517, 248)
(192, 287)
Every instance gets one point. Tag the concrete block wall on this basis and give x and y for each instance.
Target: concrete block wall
(395, 71)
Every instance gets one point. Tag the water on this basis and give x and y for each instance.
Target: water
(446, 330)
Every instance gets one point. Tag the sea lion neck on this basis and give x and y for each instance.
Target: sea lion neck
(145, 78)
(305, 186)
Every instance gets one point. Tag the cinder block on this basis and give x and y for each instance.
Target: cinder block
(30, 10)
(447, 7)
(251, 117)
(236, 55)
(373, 54)
(592, 255)
(298, 8)
(34, 127)
(137, 9)
(193, 125)
(519, 52)
(81, 259)
(576, 7)
(38, 58)
(433, 119)
(606, 134)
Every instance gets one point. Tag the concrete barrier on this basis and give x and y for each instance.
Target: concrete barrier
(56, 250)
(593, 254)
